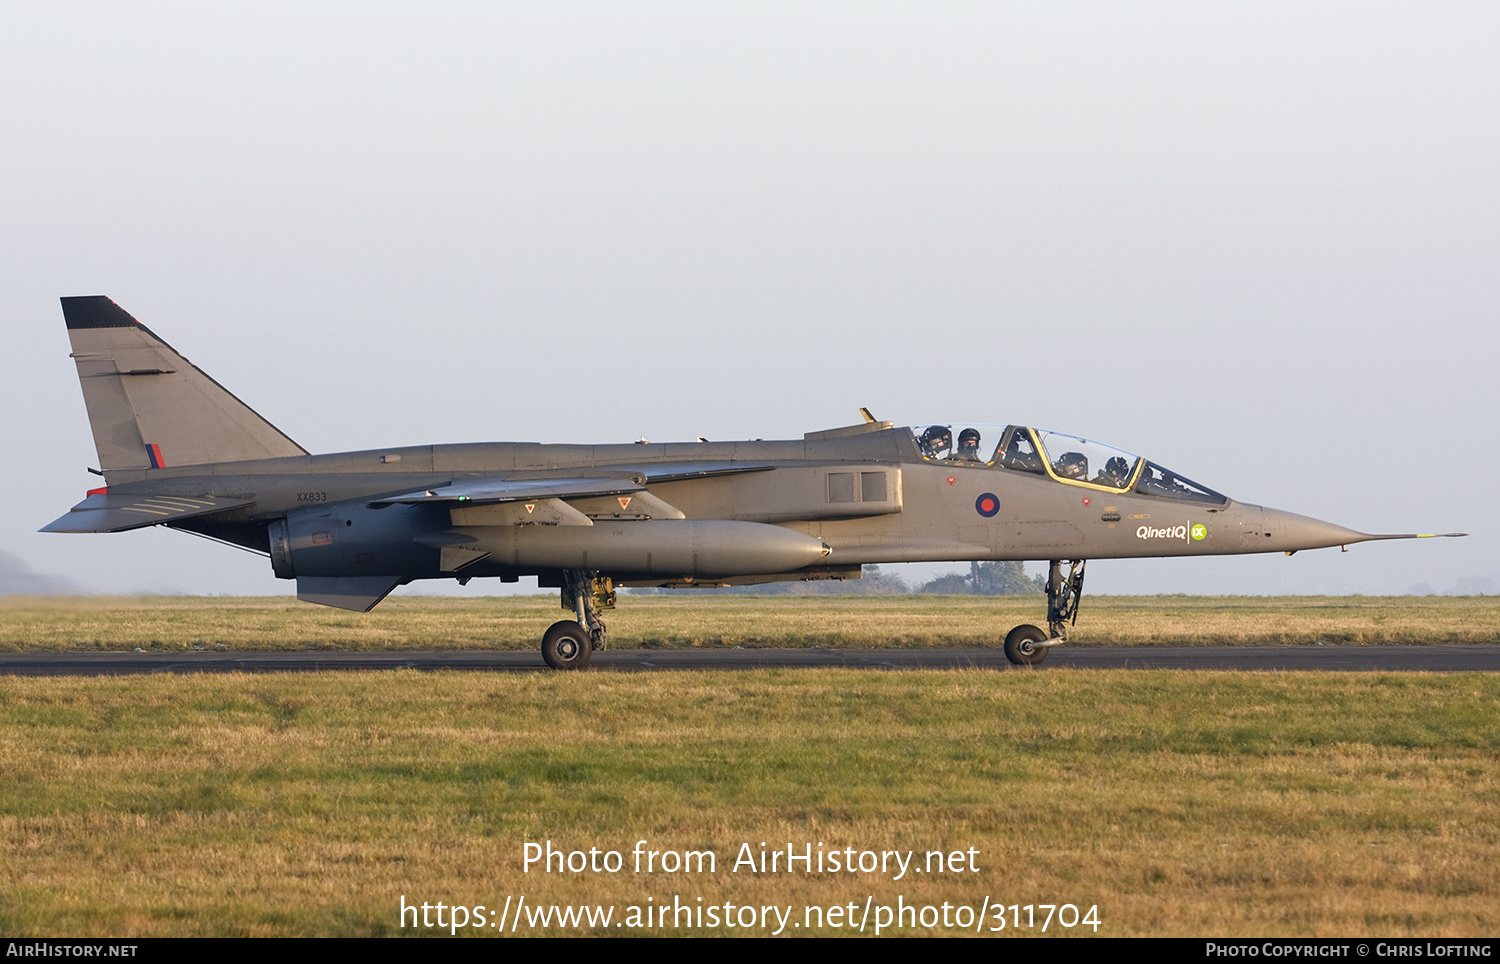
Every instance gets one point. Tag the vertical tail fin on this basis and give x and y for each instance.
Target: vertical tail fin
(148, 406)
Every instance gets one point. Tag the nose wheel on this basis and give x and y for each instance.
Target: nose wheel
(1023, 645)
(1028, 645)
(570, 643)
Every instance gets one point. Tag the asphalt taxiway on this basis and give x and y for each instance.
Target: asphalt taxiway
(1430, 659)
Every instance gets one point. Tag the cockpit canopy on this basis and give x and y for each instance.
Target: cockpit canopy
(1064, 458)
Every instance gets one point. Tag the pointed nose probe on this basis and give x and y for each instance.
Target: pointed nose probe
(1290, 532)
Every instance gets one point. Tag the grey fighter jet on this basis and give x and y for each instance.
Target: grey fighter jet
(177, 449)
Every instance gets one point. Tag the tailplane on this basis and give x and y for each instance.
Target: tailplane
(151, 408)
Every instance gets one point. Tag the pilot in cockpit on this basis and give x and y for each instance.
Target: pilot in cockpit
(1115, 474)
(968, 446)
(1020, 455)
(1072, 465)
(935, 442)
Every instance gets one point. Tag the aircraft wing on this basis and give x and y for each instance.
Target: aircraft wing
(675, 471)
(485, 491)
(111, 512)
(488, 491)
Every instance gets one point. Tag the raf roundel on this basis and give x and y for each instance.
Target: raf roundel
(987, 505)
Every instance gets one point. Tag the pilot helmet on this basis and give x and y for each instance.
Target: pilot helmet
(1116, 468)
(936, 437)
(968, 438)
(1073, 465)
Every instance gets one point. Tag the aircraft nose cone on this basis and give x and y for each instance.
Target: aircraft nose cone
(1290, 532)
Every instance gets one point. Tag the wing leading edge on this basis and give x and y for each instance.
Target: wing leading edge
(489, 491)
(629, 479)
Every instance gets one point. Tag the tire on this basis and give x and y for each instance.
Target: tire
(566, 646)
(1021, 646)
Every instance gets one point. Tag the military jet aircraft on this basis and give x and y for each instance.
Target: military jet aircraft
(177, 449)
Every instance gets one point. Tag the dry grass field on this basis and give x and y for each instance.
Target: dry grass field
(516, 622)
(1263, 804)
(1176, 803)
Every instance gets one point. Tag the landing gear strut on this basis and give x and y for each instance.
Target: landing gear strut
(1028, 645)
(570, 643)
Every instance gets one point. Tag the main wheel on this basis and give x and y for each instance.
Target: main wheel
(566, 646)
(1021, 646)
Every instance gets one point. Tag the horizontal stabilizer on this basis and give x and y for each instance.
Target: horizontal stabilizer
(111, 512)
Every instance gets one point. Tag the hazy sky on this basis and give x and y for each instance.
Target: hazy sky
(1257, 243)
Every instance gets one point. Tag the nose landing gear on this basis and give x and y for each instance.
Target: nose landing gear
(570, 643)
(1028, 645)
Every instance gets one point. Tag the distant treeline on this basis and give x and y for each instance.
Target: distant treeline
(982, 579)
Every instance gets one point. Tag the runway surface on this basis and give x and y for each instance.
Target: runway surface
(1432, 659)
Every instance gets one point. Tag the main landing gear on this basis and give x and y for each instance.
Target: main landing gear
(1028, 645)
(570, 643)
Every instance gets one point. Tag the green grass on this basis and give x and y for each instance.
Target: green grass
(1178, 803)
(517, 622)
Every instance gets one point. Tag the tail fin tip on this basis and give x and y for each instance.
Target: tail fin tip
(149, 406)
(95, 311)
